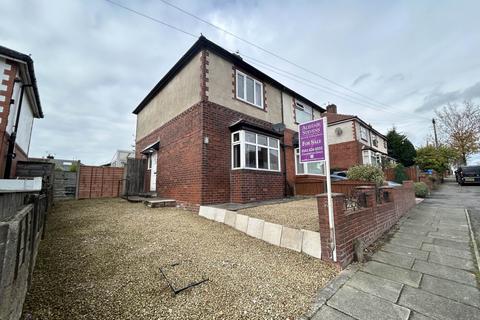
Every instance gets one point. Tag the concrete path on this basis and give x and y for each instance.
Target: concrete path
(425, 271)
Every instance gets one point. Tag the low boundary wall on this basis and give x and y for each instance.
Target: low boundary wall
(21, 229)
(367, 223)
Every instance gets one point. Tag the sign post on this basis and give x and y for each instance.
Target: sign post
(313, 141)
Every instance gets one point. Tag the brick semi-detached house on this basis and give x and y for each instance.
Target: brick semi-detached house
(19, 105)
(352, 141)
(217, 130)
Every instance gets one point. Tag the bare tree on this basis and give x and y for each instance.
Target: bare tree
(460, 128)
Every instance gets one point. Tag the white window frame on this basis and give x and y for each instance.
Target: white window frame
(363, 133)
(242, 142)
(369, 154)
(301, 106)
(305, 166)
(255, 82)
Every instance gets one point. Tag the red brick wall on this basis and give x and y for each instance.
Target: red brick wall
(193, 172)
(252, 185)
(367, 224)
(289, 161)
(20, 155)
(99, 182)
(220, 183)
(179, 159)
(346, 154)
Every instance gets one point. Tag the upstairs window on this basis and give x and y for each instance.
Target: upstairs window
(374, 141)
(251, 150)
(303, 113)
(249, 90)
(363, 133)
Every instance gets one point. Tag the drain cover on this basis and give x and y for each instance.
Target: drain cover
(182, 275)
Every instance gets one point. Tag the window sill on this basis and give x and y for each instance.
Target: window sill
(256, 170)
(251, 104)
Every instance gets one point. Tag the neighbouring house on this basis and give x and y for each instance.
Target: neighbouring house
(215, 129)
(60, 164)
(19, 106)
(352, 141)
(120, 158)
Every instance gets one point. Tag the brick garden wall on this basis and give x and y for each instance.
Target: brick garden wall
(366, 224)
(346, 154)
(99, 182)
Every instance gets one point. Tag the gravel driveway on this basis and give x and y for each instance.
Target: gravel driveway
(298, 214)
(101, 259)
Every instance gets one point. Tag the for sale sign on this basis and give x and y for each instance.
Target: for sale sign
(312, 140)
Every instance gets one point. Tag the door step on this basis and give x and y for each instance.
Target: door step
(158, 203)
(150, 194)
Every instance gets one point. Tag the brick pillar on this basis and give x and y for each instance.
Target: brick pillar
(409, 194)
(369, 192)
(338, 200)
(387, 194)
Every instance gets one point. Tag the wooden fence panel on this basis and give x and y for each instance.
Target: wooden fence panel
(64, 185)
(99, 182)
(312, 185)
(413, 173)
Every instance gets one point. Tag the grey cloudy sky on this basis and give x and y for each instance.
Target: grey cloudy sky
(95, 62)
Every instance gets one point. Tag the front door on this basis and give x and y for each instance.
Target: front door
(153, 171)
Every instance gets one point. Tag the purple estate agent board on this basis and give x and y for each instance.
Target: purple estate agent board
(312, 147)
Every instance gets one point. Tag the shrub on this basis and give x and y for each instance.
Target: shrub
(366, 173)
(421, 189)
(400, 174)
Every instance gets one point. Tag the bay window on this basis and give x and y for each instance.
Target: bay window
(249, 90)
(256, 151)
(372, 158)
(312, 168)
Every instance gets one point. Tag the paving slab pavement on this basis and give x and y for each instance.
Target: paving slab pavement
(426, 270)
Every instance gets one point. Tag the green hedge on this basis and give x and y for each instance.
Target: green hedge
(366, 173)
(421, 189)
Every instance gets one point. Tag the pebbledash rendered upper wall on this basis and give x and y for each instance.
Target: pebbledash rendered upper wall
(341, 132)
(370, 135)
(182, 92)
(221, 90)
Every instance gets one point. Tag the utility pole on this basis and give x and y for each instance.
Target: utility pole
(435, 132)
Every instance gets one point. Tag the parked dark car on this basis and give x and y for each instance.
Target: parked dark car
(468, 174)
(336, 177)
(340, 173)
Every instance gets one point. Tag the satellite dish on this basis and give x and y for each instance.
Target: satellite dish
(338, 131)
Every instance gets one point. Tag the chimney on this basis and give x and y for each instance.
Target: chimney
(331, 108)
